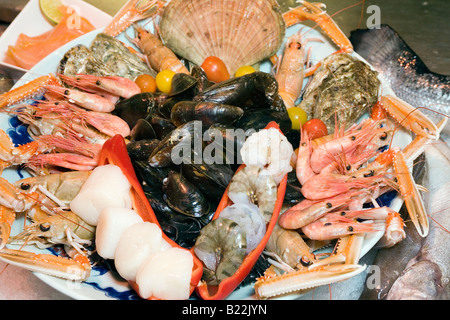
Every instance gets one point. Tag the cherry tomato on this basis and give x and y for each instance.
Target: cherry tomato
(244, 70)
(315, 128)
(146, 83)
(164, 80)
(215, 69)
(297, 116)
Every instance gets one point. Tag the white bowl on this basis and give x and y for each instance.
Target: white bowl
(31, 21)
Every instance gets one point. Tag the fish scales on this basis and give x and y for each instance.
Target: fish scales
(406, 73)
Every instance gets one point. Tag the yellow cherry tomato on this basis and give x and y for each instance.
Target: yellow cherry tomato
(297, 116)
(164, 80)
(146, 83)
(244, 70)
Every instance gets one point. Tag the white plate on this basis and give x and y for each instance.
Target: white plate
(102, 284)
(31, 21)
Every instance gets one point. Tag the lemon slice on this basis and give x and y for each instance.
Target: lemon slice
(50, 10)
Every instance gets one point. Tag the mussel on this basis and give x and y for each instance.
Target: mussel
(142, 149)
(258, 119)
(211, 179)
(200, 74)
(228, 142)
(139, 106)
(160, 125)
(183, 83)
(142, 130)
(153, 177)
(183, 196)
(254, 90)
(178, 227)
(207, 112)
(183, 137)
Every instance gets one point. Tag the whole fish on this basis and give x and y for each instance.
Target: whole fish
(427, 275)
(405, 72)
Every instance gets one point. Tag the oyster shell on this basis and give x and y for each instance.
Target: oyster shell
(342, 85)
(240, 32)
(106, 56)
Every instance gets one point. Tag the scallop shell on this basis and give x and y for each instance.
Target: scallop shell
(240, 32)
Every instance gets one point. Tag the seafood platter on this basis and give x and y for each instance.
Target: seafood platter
(115, 190)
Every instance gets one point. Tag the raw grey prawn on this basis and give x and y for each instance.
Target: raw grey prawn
(45, 200)
(254, 185)
(221, 246)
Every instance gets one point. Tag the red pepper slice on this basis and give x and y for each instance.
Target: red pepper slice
(227, 286)
(114, 151)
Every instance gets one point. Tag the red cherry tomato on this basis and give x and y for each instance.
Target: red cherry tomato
(215, 69)
(315, 128)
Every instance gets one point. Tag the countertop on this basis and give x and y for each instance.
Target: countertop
(422, 23)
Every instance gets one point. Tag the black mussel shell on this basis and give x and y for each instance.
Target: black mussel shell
(183, 196)
(180, 228)
(229, 140)
(183, 83)
(211, 179)
(206, 112)
(166, 108)
(183, 138)
(162, 126)
(138, 107)
(141, 150)
(293, 189)
(258, 119)
(254, 90)
(153, 177)
(293, 136)
(142, 130)
(203, 82)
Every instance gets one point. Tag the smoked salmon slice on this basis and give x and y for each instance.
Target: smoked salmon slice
(28, 51)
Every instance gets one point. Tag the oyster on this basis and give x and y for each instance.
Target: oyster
(106, 56)
(240, 32)
(118, 57)
(342, 85)
(79, 59)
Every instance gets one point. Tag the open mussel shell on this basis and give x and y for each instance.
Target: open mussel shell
(142, 130)
(206, 112)
(211, 179)
(142, 149)
(183, 196)
(138, 106)
(183, 83)
(254, 90)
